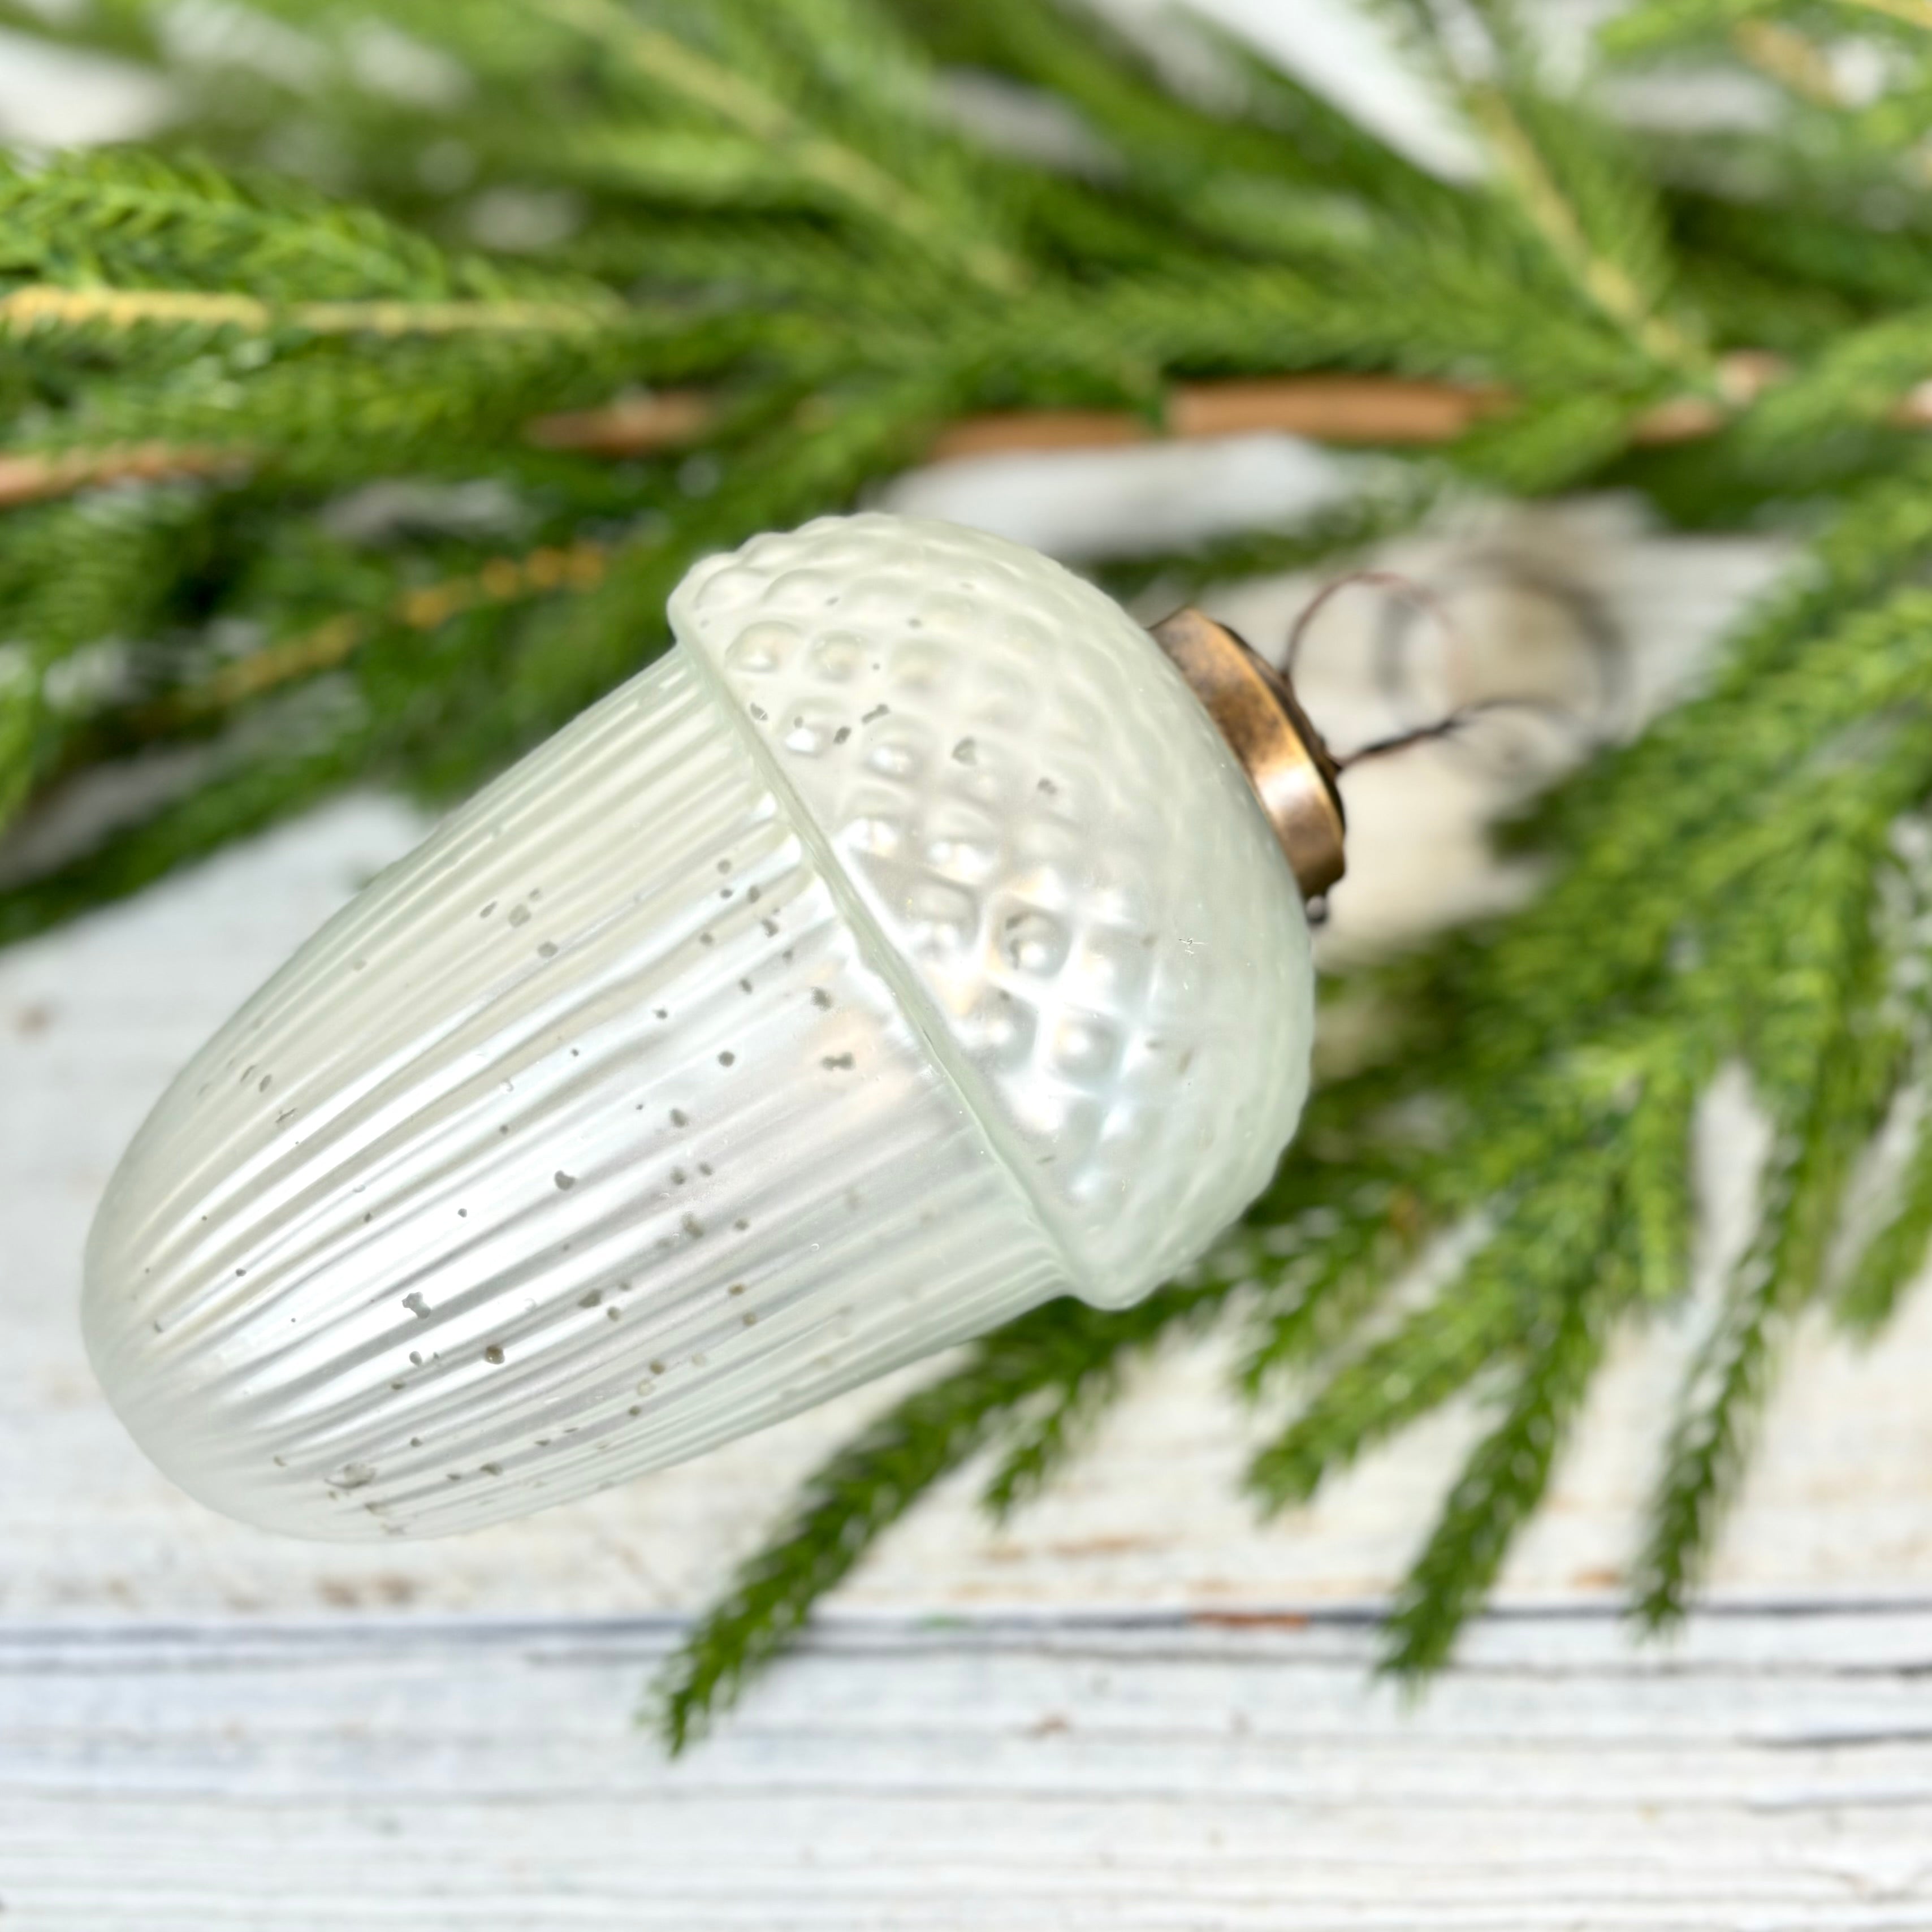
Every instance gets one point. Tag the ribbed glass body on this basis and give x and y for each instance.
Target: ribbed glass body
(696, 1070)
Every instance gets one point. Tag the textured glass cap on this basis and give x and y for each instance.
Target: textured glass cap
(903, 948)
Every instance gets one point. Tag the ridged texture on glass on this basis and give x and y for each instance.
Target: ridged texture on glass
(903, 950)
(1084, 906)
(586, 1138)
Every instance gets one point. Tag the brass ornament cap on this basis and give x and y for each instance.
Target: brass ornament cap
(1254, 707)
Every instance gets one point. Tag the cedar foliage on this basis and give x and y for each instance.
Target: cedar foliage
(353, 563)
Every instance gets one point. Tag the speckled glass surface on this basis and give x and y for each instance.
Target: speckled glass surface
(1081, 901)
(711, 1062)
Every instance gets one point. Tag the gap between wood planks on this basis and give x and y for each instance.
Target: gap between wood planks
(860, 1632)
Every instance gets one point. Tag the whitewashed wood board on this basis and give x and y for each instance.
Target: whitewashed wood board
(1133, 1771)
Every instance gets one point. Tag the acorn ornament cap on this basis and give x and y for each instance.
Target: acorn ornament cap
(906, 947)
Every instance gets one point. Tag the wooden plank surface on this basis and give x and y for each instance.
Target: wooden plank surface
(1143, 1772)
(1131, 1706)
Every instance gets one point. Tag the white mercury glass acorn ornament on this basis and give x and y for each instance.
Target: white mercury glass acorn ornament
(906, 947)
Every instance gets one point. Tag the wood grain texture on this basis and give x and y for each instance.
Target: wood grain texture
(1143, 1772)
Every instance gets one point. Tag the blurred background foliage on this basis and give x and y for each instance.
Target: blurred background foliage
(354, 428)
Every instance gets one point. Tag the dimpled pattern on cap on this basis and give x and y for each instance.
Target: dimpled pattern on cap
(1079, 896)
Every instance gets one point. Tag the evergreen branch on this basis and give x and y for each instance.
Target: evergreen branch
(1695, 768)
(1896, 1246)
(1559, 438)
(1652, 25)
(1726, 1383)
(849, 1502)
(1596, 214)
(1380, 412)
(1506, 1475)
(1350, 410)
(424, 606)
(412, 687)
(664, 59)
(1338, 1268)
(1374, 515)
(1812, 252)
(1047, 1435)
(1543, 1239)
(36, 479)
(326, 412)
(1789, 59)
(1914, 13)
(1869, 375)
(1897, 1254)
(131, 219)
(812, 459)
(1658, 1204)
(1607, 280)
(95, 578)
(25, 312)
(1177, 146)
(536, 685)
(1391, 410)
(1827, 1071)
(1431, 1356)
(246, 796)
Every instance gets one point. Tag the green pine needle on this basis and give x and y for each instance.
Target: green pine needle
(1897, 1254)
(1044, 1358)
(1504, 1478)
